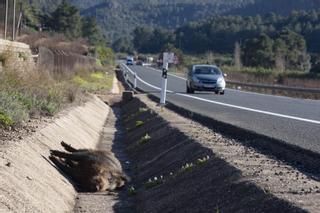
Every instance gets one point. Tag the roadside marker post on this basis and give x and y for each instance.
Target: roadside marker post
(135, 80)
(167, 58)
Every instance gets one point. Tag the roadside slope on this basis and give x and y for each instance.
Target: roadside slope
(182, 166)
(28, 181)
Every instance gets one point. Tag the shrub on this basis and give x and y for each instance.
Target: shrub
(11, 109)
(5, 120)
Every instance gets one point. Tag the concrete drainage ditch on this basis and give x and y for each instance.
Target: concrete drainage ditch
(176, 165)
(181, 166)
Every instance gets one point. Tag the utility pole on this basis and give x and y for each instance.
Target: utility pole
(18, 31)
(6, 20)
(14, 21)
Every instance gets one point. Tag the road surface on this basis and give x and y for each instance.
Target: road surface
(295, 121)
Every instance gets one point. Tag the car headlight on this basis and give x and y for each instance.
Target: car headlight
(220, 80)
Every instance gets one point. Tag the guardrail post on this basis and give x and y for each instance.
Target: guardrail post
(135, 80)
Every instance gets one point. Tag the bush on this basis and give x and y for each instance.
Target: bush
(12, 111)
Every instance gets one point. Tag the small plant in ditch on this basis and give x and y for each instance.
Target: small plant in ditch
(143, 109)
(139, 123)
(144, 139)
(188, 167)
(132, 191)
(204, 160)
(153, 182)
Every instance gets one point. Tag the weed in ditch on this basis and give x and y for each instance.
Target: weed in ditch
(153, 182)
(203, 160)
(132, 191)
(217, 209)
(144, 139)
(5, 121)
(143, 109)
(139, 123)
(188, 167)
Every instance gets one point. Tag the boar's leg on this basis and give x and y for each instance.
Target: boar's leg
(67, 156)
(68, 147)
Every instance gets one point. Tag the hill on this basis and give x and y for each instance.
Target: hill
(119, 18)
(281, 7)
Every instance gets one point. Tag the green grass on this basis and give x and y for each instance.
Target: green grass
(39, 94)
(96, 81)
(12, 110)
(153, 182)
(139, 123)
(132, 191)
(144, 139)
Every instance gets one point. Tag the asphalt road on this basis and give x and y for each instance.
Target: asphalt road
(295, 121)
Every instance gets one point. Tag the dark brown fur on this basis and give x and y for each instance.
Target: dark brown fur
(91, 170)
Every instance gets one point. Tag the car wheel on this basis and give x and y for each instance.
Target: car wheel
(222, 92)
(190, 90)
(216, 92)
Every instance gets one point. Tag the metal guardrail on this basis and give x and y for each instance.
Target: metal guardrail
(276, 87)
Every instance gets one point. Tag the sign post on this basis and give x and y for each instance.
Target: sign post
(167, 58)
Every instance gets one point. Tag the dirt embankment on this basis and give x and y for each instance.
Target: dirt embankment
(181, 166)
(28, 181)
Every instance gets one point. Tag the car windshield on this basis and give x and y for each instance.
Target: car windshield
(207, 70)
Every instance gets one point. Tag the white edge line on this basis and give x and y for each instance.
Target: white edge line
(230, 105)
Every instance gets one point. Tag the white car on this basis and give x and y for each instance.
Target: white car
(203, 77)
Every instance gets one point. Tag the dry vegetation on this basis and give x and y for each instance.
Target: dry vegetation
(56, 41)
(37, 93)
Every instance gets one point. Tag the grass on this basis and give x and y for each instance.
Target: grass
(153, 182)
(139, 123)
(143, 109)
(92, 82)
(144, 139)
(132, 191)
(35, 92)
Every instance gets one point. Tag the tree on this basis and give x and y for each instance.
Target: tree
(104, 54)
(91, 31)
(142, 37)
(123, 45)
(237, 56)
(66, 19)
(258, 52)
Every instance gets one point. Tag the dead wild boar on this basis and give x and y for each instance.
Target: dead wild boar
(91, 170)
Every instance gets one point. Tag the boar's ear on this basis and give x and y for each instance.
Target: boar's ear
(125, 177)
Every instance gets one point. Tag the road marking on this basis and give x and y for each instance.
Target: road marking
(229, 105)
(228, 89)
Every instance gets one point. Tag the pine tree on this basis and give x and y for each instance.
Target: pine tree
(66, 19)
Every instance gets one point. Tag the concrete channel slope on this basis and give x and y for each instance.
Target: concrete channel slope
(182, 166)
(28, 180)
(295, 121)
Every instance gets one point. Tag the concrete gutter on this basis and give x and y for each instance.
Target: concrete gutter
(28, 181)
(115, 87)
